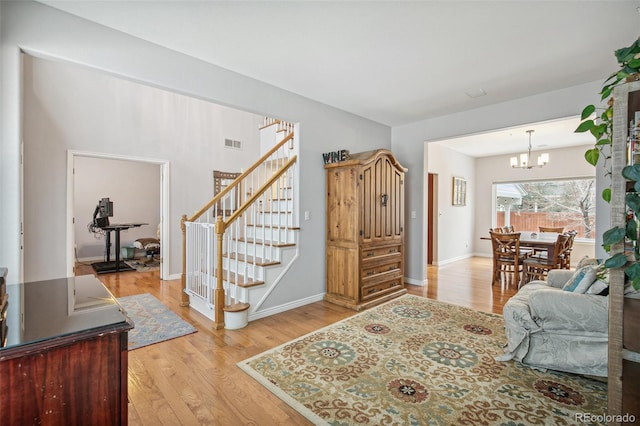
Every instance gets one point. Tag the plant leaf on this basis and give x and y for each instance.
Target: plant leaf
(585, 126)
(616, 261)
(613, 236)
(633, 201)
(592, 155)
(631, 172)
(587, 111)
(622, 53)
(603, 141)
(633, 271)
(606, 195)
(598, 130)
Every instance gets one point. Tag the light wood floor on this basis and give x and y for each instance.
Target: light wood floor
(193, 380)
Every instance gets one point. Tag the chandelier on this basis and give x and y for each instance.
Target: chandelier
(525, 158)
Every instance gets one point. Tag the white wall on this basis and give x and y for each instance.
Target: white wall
(455, 223)
(49, 33)
(134, 189)
(408, 144)
(71, 107)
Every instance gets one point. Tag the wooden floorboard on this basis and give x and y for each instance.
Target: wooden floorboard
(193, 380)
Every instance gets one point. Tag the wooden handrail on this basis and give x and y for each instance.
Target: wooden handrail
(260, 191)
(221, 227)
(239, 179)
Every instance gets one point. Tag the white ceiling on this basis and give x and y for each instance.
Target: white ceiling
(393, 62)
(546, 136)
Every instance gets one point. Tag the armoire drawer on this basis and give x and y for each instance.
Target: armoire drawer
(372, 269)
(374, 254)
(377, 290)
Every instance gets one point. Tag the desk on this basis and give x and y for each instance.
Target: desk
(117, 266)
(65, 355)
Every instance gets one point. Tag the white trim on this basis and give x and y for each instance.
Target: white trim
(453, 259)
(421, 283)
(164, 204)
(286, 307)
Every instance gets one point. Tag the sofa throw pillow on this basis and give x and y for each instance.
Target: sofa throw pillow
(582, 279)
(598, 287)
(585, 261)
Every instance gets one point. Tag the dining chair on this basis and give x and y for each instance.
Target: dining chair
(508, 229)
(565, 256)
(558, 229)
(497, 230)
(508, 258)
(537, 267)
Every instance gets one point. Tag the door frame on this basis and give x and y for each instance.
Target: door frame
(164, 205)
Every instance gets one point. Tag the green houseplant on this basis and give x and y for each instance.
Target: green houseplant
(601, 127)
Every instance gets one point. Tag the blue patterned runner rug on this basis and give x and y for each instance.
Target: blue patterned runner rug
(153, 321)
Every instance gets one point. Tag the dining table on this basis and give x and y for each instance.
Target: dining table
(541, 241)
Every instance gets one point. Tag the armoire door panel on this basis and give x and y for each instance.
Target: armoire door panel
(341, 204)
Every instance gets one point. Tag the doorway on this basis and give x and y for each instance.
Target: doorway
(139, 188)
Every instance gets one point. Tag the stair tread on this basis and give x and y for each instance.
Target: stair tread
(250, 259)
(292, 228)
(236, 307)
(275, 211)
(262, 242)
(239, 279)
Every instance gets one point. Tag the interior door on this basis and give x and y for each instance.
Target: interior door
(431, 227)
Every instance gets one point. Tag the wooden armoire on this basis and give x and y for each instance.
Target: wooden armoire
(365, 229)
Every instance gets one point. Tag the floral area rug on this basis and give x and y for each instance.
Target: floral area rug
(153, 321)
(415, 361)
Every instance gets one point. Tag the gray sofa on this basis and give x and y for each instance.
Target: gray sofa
(549, 328)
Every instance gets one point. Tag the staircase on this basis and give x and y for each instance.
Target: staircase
(241, 243)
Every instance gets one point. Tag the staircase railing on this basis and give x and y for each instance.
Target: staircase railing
(221, 242)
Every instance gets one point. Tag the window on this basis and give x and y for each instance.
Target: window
(556, 203)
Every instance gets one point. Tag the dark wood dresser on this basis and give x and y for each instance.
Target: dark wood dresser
(63, 359)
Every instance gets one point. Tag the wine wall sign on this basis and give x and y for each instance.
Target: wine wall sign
(335, 156)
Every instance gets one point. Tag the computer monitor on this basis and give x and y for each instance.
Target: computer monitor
(106, 207)
(104, 210)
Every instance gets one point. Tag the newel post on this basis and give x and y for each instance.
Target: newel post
(218, 295)
(184, 298)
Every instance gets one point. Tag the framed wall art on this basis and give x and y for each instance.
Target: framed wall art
(459, 192)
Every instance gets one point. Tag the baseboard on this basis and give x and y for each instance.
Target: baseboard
(452, 260)
(287, 306)
(411, 281)
(92, 259)
(174, 277)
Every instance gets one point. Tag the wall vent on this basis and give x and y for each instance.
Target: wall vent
(233, 144)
